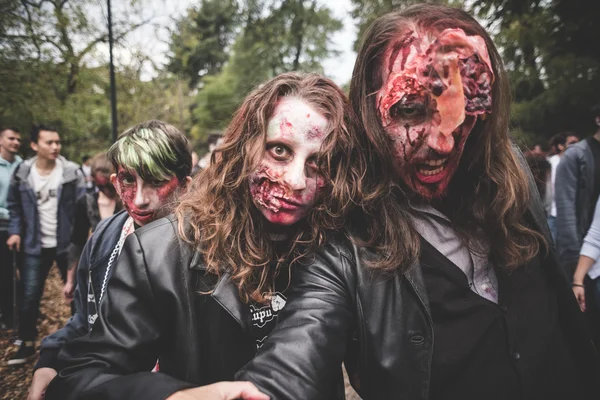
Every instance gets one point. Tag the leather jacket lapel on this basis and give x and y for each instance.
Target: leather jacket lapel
(414, 275)
(226, 294)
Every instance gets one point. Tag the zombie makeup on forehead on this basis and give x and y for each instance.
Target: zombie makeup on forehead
(291, 115)
(286, 184)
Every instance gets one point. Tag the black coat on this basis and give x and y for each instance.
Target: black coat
(152, 310)
(381, 324)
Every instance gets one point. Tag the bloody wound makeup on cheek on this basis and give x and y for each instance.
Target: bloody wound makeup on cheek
(153, 202)
(128, 188)
(166, 191)
(266, 190)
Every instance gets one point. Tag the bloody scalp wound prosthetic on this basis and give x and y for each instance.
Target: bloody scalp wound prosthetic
(435, 86)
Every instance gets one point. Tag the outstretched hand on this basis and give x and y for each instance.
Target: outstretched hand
(221, 391)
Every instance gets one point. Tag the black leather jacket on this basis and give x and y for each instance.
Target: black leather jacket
(156, 306)
(380, 323)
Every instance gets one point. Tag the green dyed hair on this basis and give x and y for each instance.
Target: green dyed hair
(155, 150)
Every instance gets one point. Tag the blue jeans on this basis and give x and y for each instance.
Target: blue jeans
(552, 226)
(34, 272)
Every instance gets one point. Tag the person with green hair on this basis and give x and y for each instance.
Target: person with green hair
(152, 162)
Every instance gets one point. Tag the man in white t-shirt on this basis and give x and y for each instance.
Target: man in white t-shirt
(41, 199)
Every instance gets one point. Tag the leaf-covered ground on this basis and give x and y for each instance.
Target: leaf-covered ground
(15, 381)
(54, 312)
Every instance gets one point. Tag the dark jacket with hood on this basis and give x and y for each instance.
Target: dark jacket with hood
(574, 192)
(24, 216)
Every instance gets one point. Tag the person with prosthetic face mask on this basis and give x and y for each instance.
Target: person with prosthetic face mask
(147, 168)
(201, 290)
(448, 287)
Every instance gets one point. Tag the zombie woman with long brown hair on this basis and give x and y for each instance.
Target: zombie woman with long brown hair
(449, 287)
(200, 291)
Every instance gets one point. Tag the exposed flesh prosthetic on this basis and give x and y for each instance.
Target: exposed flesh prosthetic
(285, 186)
(266, 189)
(435, 87)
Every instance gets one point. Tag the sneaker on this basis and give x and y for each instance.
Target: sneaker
(25, 352)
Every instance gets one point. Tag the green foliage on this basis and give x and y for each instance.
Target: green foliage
(46, 48)
(201, 40)
(553, 66)
(216, 103)
(367, 11)
(276, 37)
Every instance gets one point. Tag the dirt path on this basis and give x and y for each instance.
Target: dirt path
(15, 381)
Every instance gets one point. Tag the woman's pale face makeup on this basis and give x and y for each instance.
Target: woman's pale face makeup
(286, 185)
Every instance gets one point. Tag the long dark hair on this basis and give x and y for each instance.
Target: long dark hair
(490, 188)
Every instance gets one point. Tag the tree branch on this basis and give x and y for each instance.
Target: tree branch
(29, 26)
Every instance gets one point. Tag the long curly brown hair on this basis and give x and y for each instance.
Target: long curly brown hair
(490, 188)
(218, 216)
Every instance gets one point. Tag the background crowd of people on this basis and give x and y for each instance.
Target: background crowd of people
(568, 179)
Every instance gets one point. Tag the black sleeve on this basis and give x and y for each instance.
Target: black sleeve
(302, 356)
(81, 230)
(115, 359)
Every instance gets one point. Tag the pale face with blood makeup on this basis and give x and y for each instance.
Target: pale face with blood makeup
(286, 185)
(144, 201)
(435, 86)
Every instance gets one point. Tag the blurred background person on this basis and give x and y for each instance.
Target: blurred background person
(588, 266)
(89, 211)
(213, 141)
(41, 200)
(558, 146)
(586, 279)
(86, 170)
(577, 189)
(195, 160)
(10, 143)
(572, 139)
